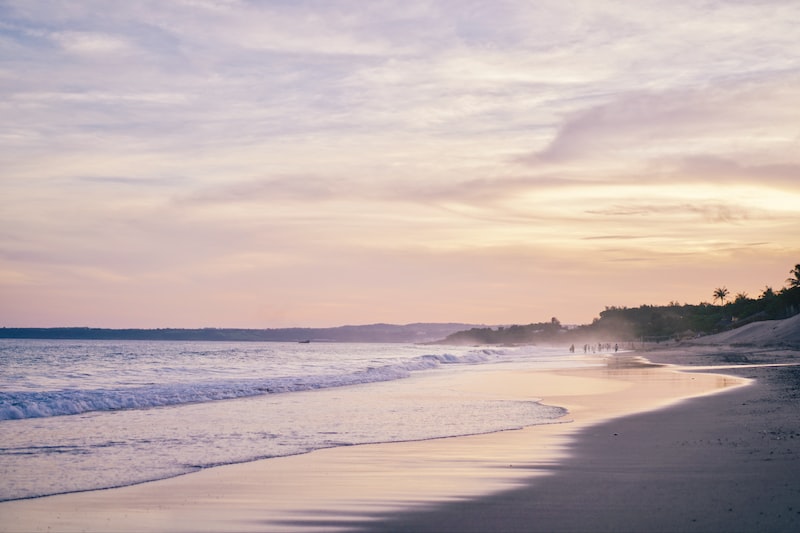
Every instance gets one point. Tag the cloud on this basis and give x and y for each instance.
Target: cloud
(716, 121)
(298, 188)
(132, 181)
(612, 237)
(92, 43)
(200, 141)
(725, 170)
(310, 189)
(712, 212)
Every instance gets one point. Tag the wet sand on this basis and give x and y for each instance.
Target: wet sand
(688, 466)
(723, 463)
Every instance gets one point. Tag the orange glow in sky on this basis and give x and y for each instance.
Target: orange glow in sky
(270, 164)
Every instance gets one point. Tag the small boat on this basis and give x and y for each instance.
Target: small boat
(304, 342)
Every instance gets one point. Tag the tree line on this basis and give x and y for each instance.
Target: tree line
(516, 334)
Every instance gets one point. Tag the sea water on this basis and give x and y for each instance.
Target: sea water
(84, 415)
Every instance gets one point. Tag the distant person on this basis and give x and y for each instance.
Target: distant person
(572, 348)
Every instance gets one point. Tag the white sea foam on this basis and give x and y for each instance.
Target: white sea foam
(37, 404)
(145, 411)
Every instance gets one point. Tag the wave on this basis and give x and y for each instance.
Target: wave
(41, 404)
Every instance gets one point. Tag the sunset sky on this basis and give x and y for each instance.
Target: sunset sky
(233, 163)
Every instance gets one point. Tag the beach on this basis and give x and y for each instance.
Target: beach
(726, 462)
(633, 454)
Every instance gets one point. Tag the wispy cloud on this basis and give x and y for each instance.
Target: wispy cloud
(708, 211)
(243, 148)
(684, 123)
(721, 170)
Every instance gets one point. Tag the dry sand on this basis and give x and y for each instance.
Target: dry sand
(721, 462)
(773, 333)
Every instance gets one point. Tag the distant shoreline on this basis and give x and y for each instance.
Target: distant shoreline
(418, 332)
(773, 332)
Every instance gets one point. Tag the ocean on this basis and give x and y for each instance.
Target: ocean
(85, 415)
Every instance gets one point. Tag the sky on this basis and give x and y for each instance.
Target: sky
(265, 164)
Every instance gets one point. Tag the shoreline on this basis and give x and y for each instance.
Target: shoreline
(372, 486)
(719, 463)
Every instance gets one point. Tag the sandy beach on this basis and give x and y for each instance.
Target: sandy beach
(633, 454)
(726, 462)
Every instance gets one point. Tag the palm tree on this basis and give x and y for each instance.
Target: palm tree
(795, 281)
(720, 294)
(742, 297)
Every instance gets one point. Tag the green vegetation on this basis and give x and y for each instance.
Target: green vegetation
(542, 332)
(720, 294)
(653, 323)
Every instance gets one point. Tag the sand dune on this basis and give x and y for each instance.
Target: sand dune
(766, 333)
